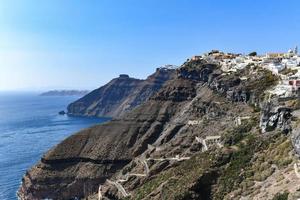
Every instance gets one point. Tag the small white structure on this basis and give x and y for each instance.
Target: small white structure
(194, 122)
(209, 141)
(296, 168)
(244, 78)
(274, 67)
(290, 63)
(281, 90)
(238, 120)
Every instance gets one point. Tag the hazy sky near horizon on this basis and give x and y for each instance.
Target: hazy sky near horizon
(75, 44)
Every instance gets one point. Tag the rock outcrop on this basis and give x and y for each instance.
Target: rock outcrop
(155, 152)
(275, 117)
(120, 95)
(296, 133)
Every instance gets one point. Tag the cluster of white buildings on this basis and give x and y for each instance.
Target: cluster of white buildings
(285, 65)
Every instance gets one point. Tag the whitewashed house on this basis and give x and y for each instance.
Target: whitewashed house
(274, 67)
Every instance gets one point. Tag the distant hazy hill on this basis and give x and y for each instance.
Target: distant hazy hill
(65, 93)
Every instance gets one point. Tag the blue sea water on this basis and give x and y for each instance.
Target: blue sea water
(29, 126)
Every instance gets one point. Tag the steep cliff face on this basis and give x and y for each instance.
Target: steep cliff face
(77, 166)
(198, 137)
(120, 95)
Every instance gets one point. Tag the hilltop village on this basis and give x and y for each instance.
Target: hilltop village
(285, 65)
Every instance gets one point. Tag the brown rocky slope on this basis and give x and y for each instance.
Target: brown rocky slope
(200, 101)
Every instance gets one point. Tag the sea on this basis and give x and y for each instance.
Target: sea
(29, 126)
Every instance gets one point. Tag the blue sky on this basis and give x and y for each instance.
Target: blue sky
(66, 44)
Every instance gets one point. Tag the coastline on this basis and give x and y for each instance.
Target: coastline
(30, 126)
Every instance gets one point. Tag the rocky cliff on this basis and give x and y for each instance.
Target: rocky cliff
(120, 95)
(199, 137)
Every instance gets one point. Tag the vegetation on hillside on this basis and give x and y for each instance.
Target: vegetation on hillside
(247, 157)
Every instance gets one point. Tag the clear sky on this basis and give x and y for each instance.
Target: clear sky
(82, 44)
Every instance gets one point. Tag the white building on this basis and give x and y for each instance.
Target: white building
(274, 67)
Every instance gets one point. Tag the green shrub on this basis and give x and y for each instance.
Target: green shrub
(253, 53)
(281, 196)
